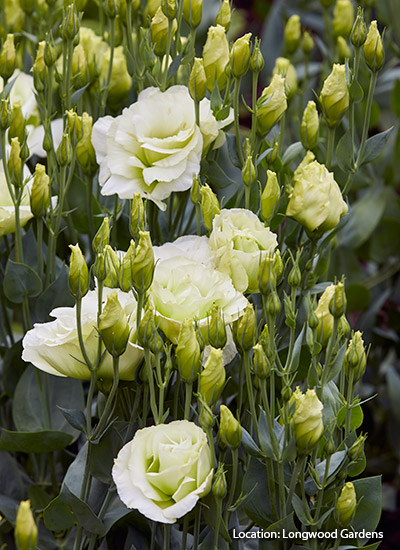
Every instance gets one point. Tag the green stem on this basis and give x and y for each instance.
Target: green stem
(217, 522)
(139, 309)
(232, 489)
(349, 400)
(250, 393)
(236, 92)
(109, 403)
(188, 400)
(104, 94)
(150, 381)
(254, 113)
(39, 237)
(198, 218)
(79, 331)
(166, 57)
(114, 223)
(196, 530)
(247, 193)
(281, 134)
(167, 537)
(330, 146)
(185, 531)
(329, 351)
(281, 486)
(298, 466)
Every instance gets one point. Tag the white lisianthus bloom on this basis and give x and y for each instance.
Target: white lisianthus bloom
(54, 347)
(239, 242)
(190, 246)
(164, 470)
(155, 146)
(183, 288)
(7, 209)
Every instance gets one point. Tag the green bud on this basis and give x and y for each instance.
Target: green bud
(359, 31)
(244, 329)
(337, 304)
(306, 421)
(334, 95)
(224, 15)
(64, 151)
(39, 67)
(169, 8)
(216, 331)
(346, 505)
(271, 105)
(326, 3)
(355, 359)
(5, 115)
(85, 153)
(74, 125)
(284, 68)
(40, 192)
(216, 58)
(70, 27)
(99, 269)
(206, 416)
(249, 172)
(356, 451)
(265, 341)
(14, 163)
(212, 377)
(27, 6)
(256, 60)
(149, 337)
(17, 126)
(309, 126)
(7, 57)
(343, 48)
(197, 80)
(294, 277)
(343, 18)
(143, 263)
(209, 206)
(113, 326)
(26, 531)
(373, 48)
(112, 7)
(102, 236)
(159, 31)
(219, 487)
(188, 353)
(126, 269)
(195, 191)
(230, 430)
(192, 12)
(112, 265)
(260, 362)
(270, 196)
(273, 305)
(307, 43)
(292, 34)
(137, 218)
(78, 276)
(50, 54)
(240, 56)
(269, 272)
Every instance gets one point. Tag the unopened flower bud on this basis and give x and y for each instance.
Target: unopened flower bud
(143, 263)
(159, 31)
(74, 124)
(112, 8)
(64, 151)
(334, 95)
(50, 54)
(112, 265)
(209, 206)
(70, 27)
(271, 105)
(5, 114)
(14, 163)
(224, 15)
(256, 59)
(169, 8)
(195, 191)
(307, 422)
(216, 57)
(40, 192)
(85, 153)
(373, 48)
(284, 68)
(206, 416)
(260, 362)
(309, 126)
(270, 196)
(212, 377)
(78, 276)
(113, 326)
(343, 18)
(137, 218)
(27, 6)
(294, 277)
(7, 57)
(126, 269)
(337, 304)
(355, 358)
(192, 12)
(26, 531)
(325, 318)
(219, 487)
(356, 451)
(244, 329)
(249, 172)
(216, 331)
(343, 48)
(307, 43)
(230, 430)
(99, 268)
(273, 304)
(197, 80)
(346, 505)
(149, 336)
(17, 126)
(188, 353)
(292, 34)
(240, 56)
(269, 272)
(102, 236)
(359, 31)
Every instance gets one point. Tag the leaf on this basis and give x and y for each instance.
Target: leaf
(249, 444)
(363, 218)
(338, 363)
(58, 516)
(287, 524)
(83, 513)
(297, 504)
(78, 94)
(369, 507)
(74, 417)
(356, 92)
(375, 145)
(55, 295)
(232, 150)
(334, 465)
(19, 281)
(43, 441)
(292, 152)
(344, 152)
(265, 436)
(356, 417)
(296, 351)
(173, 68)
(258, 508)
(13, 368)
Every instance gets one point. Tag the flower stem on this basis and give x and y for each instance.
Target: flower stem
(188, 400)
(330, 146)
(232, 488)
(236, 92)
(298, 466)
